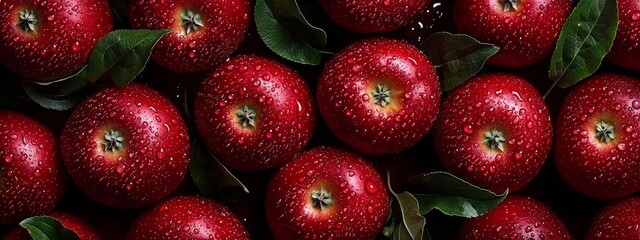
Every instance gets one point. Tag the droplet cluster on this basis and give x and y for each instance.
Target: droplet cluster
(188, 217)
(224, 25)
(603, 170)
(501, 102)
(373, 16)
(618, 221)
(525, 35)
(31, 173)
(360, 199)
(348, 99)
(284, 117)
(155, 153)
(625, 51)
(516, 217)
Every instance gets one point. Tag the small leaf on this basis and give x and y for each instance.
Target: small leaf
(453, 196)
(121, 55)
(287, 32)
(457, 57)
(47, 228)
(412, 221)
(208, 174)
(38, 96)
(586, 37)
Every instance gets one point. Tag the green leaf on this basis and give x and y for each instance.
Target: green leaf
(287, 32)
(453, 196)
(586, 37)
(413, 222)
(457, 57)
(208, 174)
(390, 223)
(36, 94)
(47, 228)
(66, 86)
(121, 55)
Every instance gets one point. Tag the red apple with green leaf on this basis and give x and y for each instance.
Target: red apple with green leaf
(49, 40)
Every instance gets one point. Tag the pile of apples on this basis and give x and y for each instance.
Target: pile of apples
(315, 144)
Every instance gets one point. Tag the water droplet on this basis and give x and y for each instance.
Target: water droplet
(120, 168)
(636, 15)
(468, 129)
(370, 186)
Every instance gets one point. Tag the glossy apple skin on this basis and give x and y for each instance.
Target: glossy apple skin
(625, 51)
(32, 176)
(188, 217)
(360, 199)
(70, 221)
(346, 101)
(285, 113)
(65, 34)
(377, 16)
(617, 221)
(155, 155)
(525, 36)
(517, 217)
(600, 170)
(225, 24)
(498, 101)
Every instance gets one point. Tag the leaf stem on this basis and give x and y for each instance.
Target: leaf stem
(555, 82)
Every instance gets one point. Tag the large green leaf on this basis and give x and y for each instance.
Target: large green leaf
(413, 223)
(47, 228)
(287, 32)
(452, 195)
(586, 37)
(208, 174)
(121, 55)
(457, 57)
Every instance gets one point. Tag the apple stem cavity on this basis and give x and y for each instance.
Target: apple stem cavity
(509, 5)
(246, 117)
(113, 141)
(381, 95)
(191, 21)
(27, 21)
(604, 132)
(321, 199)
(494, 139)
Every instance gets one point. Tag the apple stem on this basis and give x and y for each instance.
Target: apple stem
(494, 139)
(113, 141)
(381, 95)
(246, 116)
(321, 198)
(509, 5)
(27, 21)
(191, 21)
(604, 132)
